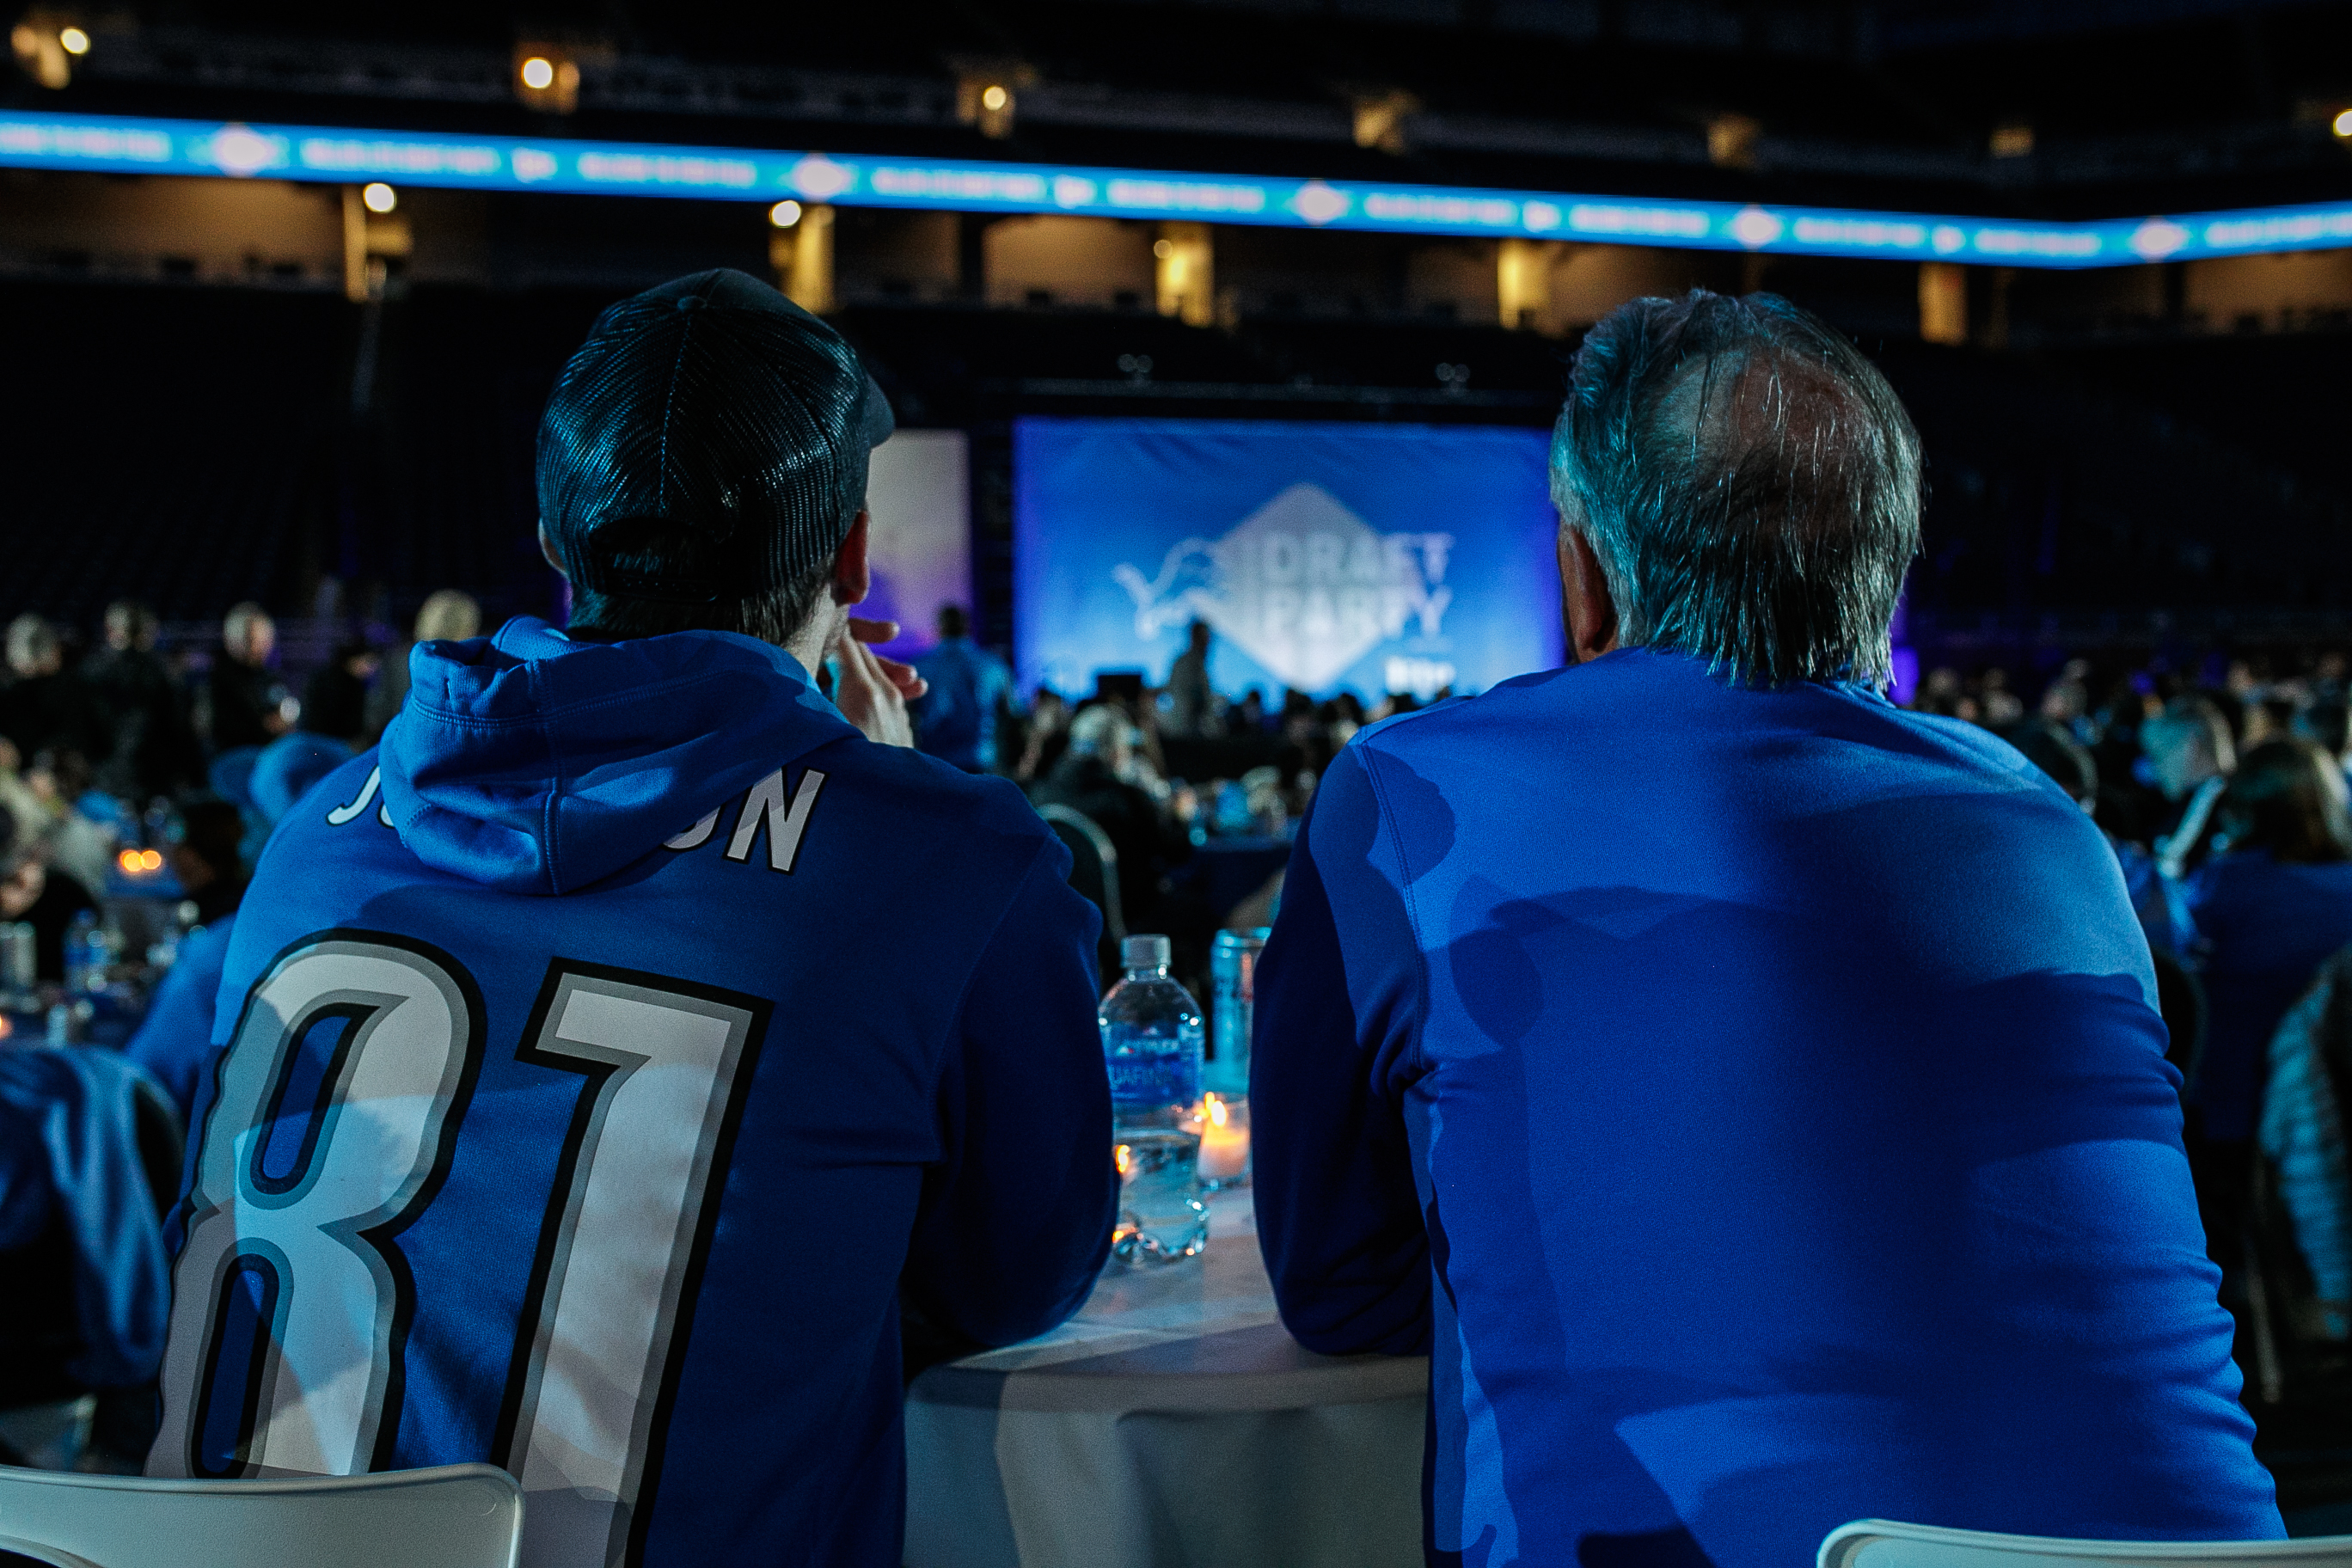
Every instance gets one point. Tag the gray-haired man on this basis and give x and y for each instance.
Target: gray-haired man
(1749, 1094)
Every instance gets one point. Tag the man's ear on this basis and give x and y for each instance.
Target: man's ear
(546, 550)
(852, 575)
(1585, 606)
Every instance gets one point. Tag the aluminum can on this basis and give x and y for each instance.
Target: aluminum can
(1233, 979)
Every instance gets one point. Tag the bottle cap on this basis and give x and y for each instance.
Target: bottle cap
(1144, 952)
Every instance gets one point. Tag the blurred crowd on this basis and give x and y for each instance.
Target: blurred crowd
(2222, 789)
(120, 762)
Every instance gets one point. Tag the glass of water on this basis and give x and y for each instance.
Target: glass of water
(1161, 1215)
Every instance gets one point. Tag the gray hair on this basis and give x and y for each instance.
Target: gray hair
(238, 625)
(34, 647)
(448, 616)
(1748, 481)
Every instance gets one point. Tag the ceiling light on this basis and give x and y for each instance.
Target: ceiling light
(73, 40)
(785, 213)
(547, 77)
(379, 197)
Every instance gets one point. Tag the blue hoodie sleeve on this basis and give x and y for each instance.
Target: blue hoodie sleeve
(1017, 1216)
(1339, 1217)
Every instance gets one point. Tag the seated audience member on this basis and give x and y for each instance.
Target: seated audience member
(154, 751)
(2160, 902)
(2327, 724)
(665, 993)
(73, 841)
(335, 700)
(286, 767)
(175, 1039)
(1749, 1094)
(2189, 755)
(1247, 717)
(45, 705)
(2273, 905)
(1045, 737)
(34, 891)
(956, 720)
(446, 615)
(2303, 1134)
(1095, 776)
(245, 702)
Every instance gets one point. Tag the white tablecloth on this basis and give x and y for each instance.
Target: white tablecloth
(1173, 1422)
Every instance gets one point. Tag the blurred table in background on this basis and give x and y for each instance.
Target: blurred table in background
(1171, 1421)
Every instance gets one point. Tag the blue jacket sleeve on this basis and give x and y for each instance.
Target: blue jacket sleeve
(2303, 1133)
(1337, 990)
(1016, 1216)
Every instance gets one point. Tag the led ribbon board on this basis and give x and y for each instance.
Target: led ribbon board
(124, 145)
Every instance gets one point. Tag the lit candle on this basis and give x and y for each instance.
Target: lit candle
(1224, 1139)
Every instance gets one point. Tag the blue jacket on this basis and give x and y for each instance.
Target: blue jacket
(604, 1054)
(69, 1144)
(2270, 925)
(2303, 1133)
(956, 720)
(1755, 1102)
(175, 1039)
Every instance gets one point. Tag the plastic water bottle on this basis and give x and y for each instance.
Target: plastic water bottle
(85, 955)
(1152, 1044)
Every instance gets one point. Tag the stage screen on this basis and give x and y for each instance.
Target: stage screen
(919, 539)
(1365, 557)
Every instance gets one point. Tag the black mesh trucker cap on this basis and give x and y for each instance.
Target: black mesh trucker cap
(707, 442)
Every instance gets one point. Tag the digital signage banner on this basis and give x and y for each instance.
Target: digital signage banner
(123, 145)
(1324, 556)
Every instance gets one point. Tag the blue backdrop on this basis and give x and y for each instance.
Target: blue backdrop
(1372, 557)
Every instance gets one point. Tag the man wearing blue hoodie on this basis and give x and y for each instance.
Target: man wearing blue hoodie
(1750, 1095)
(606, 1053)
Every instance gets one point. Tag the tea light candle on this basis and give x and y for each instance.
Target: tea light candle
(1224, 1139)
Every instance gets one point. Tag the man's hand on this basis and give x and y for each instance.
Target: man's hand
(873, 691)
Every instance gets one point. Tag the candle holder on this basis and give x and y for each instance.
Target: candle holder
(1222, 1124)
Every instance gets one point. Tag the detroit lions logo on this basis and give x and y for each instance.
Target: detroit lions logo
(1302, 585)
(1188, 586)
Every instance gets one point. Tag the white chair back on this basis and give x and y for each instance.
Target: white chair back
(1882, 1543)
(459, 1516)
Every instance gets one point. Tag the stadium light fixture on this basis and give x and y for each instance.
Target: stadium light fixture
(784, 214)
(1378, 118)
(379, 197)
(988, 95)
(73, 40)
(1731, 140)
(546, 77)
(38, 42)
(2343, 124)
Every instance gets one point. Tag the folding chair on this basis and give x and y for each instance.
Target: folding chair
(1881, 1543)
(457, 1516)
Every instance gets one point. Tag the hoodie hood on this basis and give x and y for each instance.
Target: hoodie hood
(532, 764)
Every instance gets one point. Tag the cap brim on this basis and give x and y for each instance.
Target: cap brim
(879, 421)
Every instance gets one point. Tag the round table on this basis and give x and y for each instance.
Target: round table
(1172, 1422)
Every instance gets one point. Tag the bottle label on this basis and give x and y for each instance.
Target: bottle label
(1170, 1077)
